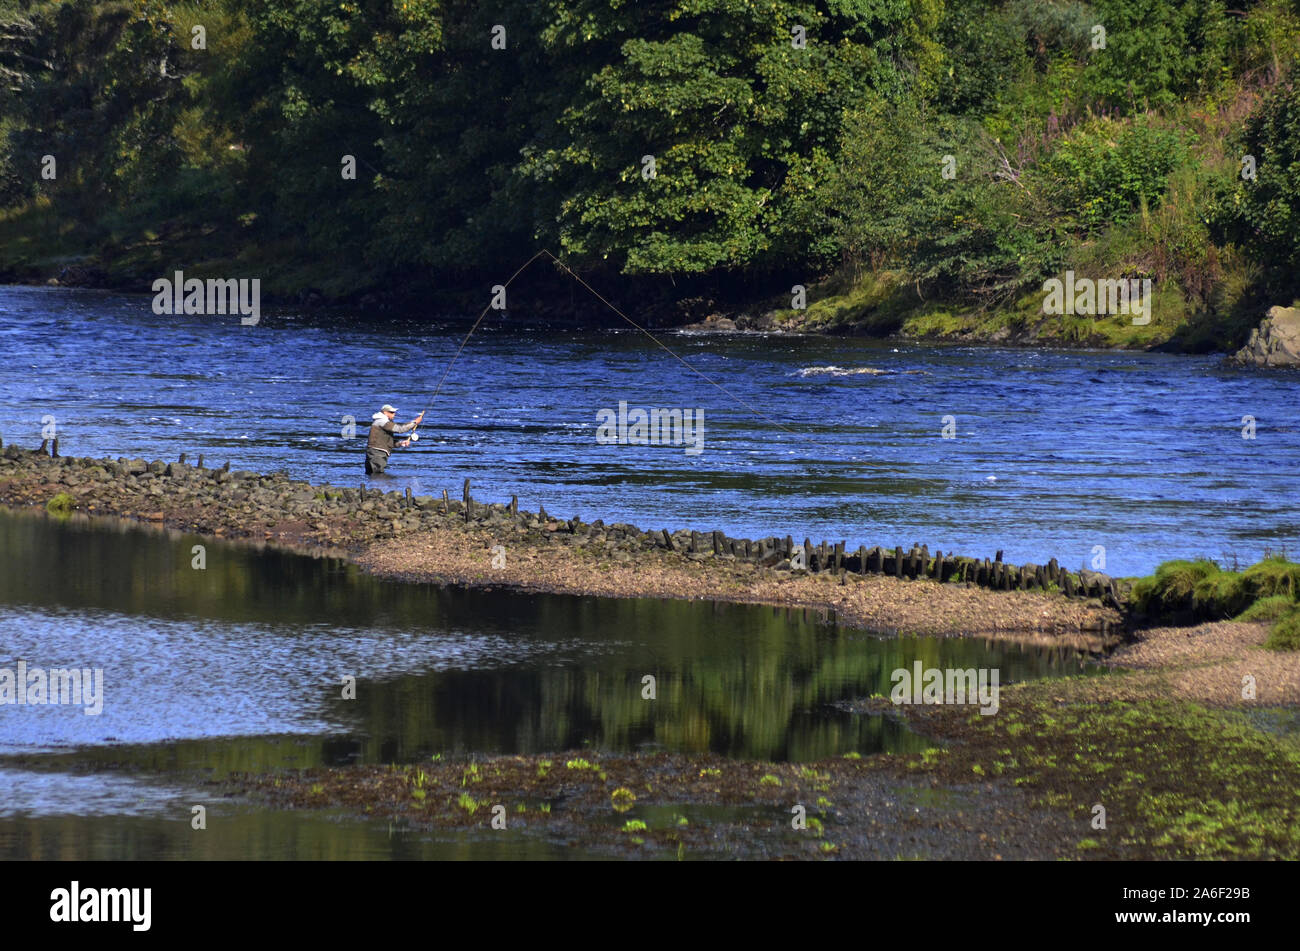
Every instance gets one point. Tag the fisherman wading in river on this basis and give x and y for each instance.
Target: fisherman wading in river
(383, 437)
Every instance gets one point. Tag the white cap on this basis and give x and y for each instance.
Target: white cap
(388, 408)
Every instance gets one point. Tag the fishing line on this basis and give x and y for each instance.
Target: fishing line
(602, 299)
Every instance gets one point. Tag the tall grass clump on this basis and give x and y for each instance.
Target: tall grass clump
(1285, 635)
(1200, 590)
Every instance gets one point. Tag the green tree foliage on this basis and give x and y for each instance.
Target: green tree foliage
(785, 135)
(1105, 170)
(738, 105)
(101, 92)
(1158, 51)
(1263, 213)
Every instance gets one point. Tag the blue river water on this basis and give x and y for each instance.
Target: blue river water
(1054, 453)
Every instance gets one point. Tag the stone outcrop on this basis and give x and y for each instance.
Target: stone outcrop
(1275, 342)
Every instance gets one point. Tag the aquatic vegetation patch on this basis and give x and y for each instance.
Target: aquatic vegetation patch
(727, 808)
(622, 799)
(61, 504)
(1176, 779)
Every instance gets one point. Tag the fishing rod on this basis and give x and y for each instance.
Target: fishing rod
(546, 253)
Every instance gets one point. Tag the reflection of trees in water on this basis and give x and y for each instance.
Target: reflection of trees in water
(744, 680)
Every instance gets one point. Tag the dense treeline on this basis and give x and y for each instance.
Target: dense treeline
(962, 151)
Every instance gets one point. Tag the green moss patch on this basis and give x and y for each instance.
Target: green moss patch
(1176, 780)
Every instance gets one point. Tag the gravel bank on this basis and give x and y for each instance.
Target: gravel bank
(467, 542)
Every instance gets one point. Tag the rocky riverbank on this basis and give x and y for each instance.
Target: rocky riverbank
(466, 541)
(1275, 342)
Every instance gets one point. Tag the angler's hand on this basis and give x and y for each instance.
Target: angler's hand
(420, 417)
(404, 443)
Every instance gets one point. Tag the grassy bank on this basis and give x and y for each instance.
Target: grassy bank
(1200, 590)
(887, 304)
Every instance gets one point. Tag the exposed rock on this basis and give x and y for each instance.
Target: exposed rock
(712, 324)
(1275, 342)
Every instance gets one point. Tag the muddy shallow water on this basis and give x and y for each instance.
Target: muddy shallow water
(240, 666)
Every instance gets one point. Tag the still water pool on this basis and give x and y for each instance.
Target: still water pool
(240, 667)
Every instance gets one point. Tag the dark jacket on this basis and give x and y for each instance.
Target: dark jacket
(383, 434)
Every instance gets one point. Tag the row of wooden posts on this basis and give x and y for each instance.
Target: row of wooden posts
(916, 562)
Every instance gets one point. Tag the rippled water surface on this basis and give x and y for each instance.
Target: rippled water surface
(1055, 452)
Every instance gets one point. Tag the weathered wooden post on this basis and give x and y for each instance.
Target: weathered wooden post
(468, 502)
(514, 506)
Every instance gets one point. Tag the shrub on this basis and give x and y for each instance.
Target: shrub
(1263, 215)
(1105, 170)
